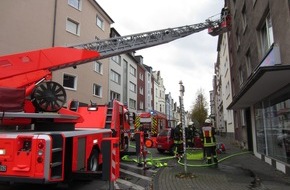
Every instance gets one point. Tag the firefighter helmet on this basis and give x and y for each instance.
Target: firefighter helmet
(190, 123)
(178, 123)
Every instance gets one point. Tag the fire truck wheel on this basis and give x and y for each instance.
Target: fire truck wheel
(93, 162)
(148, 143)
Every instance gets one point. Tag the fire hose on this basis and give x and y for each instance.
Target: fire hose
(157, 162)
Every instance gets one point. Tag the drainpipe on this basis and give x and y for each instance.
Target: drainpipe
(54, 23)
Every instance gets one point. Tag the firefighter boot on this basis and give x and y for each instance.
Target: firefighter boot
(215, 160)
(209, 161)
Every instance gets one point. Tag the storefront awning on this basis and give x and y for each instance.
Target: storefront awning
(264, 82)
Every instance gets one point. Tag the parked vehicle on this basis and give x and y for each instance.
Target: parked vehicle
(164, 142)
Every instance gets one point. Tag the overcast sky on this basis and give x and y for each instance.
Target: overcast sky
(190, 59)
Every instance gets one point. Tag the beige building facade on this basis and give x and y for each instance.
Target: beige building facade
(33, 24)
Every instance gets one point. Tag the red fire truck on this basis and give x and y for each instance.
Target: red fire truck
(151, 123)
(43, 140)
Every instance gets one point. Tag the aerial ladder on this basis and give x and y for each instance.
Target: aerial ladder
(28, 97)
(31, 68)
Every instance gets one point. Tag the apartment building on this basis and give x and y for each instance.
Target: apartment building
(170, 107)
(259, 44)
(123, 83)
(149, 88)
(222, 89)
(142, 92)
(159, 92)
(32, 24)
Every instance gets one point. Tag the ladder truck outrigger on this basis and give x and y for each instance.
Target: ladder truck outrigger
(46, 140)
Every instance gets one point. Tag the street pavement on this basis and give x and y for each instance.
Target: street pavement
(236, 170)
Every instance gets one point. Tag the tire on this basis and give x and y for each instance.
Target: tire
(93, 162)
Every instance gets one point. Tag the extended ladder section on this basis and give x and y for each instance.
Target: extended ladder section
(129, 43)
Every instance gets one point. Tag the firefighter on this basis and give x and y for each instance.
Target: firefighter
(189, 134)
(209, 142)
(177, 137)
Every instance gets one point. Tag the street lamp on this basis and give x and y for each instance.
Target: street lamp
(182, 117)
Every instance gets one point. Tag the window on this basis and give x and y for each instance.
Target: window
(115, 77)
(132, 70)
(241, 75)
(132, 87)
(227, 92)
(132, 103)
(72, 26)
(238, 40)
(254, 2)
(117, 59)
(244, 17)
(115, 96)
(141, 90)
(141, 105)
(100, 22)
(141, 76)
(97, 90)
(75, 3)
(267, 38)
(98, 67)
(272, 125)
(248, 63)
(69, 81)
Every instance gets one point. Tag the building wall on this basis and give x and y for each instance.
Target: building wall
(141, 93)
(132, 78)
(260, 124)
(159, 92)
(148, 88)
(226, 85)
(25, 25)
(89, 31)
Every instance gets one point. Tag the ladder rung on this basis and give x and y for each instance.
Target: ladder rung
(54, 164)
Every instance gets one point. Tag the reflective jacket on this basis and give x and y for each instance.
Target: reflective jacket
(208, 136)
